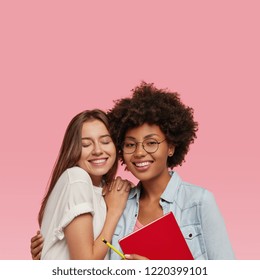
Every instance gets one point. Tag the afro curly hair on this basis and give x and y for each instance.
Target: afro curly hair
(154, 106)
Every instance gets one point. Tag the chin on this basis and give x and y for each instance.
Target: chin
(141, 176)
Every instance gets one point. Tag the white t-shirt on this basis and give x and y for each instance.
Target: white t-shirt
(73, 194)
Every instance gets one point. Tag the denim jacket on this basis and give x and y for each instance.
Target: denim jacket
(196, 213)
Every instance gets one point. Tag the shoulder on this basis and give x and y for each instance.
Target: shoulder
(195, 192)
(75, 181)
(76, 174)
(190, 195)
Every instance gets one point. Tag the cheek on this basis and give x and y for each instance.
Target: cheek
(126, 160)
(113, 155)
(84, 153)
(111, 150)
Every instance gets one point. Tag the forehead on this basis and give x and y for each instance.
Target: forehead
(144, 130)
(94, 128)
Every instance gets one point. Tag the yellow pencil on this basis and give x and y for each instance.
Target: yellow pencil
(113, 248)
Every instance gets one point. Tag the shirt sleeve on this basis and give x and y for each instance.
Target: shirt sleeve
(214, 229)
(79, 200)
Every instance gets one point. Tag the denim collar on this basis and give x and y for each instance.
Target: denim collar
(169, 193)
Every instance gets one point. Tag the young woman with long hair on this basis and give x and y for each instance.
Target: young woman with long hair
(74, 215)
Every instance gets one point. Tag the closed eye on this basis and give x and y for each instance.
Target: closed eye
(86, 144)
(106, 142)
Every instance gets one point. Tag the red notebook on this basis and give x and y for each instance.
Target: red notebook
(162, 239)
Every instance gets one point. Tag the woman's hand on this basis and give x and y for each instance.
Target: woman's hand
(134, 257)
(116, 195)
(119, 183)
(36, 246)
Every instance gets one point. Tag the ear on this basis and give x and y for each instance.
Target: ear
(171, 150)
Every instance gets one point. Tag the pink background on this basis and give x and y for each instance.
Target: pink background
(58, 58)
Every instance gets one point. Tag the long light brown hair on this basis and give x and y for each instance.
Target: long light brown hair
(70, 151)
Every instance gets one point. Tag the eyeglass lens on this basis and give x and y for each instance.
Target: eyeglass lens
(150, 145)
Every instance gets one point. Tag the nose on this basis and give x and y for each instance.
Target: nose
(140, 151)
(97, 150)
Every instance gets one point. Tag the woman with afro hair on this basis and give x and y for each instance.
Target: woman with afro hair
(153, 130)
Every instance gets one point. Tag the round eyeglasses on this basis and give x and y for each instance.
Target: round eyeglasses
(150, 145)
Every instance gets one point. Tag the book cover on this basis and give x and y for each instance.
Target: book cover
(161, 239)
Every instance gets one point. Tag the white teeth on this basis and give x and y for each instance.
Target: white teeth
(98, 161)
(140, 164)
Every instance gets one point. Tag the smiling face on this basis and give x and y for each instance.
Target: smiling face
(98, 150)
(143, 165)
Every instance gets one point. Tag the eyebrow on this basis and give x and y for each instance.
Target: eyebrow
(145, 137)
(89, 138)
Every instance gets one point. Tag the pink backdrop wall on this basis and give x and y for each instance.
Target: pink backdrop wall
(58, 58)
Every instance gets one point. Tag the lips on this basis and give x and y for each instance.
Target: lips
(142, 164)
(99, 161)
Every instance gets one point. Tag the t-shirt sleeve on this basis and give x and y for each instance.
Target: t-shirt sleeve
(79, 200)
